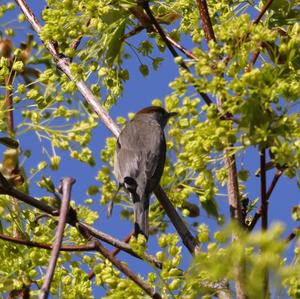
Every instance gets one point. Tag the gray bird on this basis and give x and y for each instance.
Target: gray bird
(140, 158)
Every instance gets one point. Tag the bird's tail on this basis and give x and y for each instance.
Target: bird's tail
(141, 211)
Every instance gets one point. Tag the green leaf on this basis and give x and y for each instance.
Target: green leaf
(115, 42)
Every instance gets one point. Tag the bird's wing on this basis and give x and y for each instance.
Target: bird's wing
(144, 153)
(126, 151)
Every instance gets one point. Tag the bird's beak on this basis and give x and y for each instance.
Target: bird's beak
(171, 114)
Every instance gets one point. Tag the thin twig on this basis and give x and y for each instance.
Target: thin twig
(122, 267)
(293, 234)
(181, 48)
(257, 215)
(273, 183)
(146, 7)
(117, 243)
(63, 214)
(91, 274)
(227, 58)
(263, 190)
(206, 21)
(188, 53)
(77, 42)
(63, 65)
(253, 60)
(88, 247)
(126, 240)
(262, 12)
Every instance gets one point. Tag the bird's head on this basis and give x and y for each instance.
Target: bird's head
(157, 113)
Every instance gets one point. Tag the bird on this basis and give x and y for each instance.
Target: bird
(139, 160)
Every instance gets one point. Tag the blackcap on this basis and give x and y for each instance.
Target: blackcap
(140, 158)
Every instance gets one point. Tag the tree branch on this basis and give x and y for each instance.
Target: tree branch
(263, 190)
(117, 243)
(88, 247)
(206, 21)
(63, 214)
(114, 253)
(188, 240)
(262, 12)
(253, 60)
(293, 234)
(257, 215)
(122, 267)
(233, 188)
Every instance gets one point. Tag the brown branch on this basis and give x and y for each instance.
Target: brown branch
(88, 247)
(113, 253)
(117, 243)
(263, 190)
(126, 240)
(206, 21)
(274, 182)
(63, 215)
(188, 53)
(77, 42)
(230, 162)
(6, 188)
(146, 7)
(181, 48)
(293, 234)
(233, 188)
(123, 268)
(262, 12)
(253, 61)
(257, 215)
(63, 65)
(187, 238)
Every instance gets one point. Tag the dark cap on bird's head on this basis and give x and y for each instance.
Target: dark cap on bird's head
(156, 109)
(156, 112)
